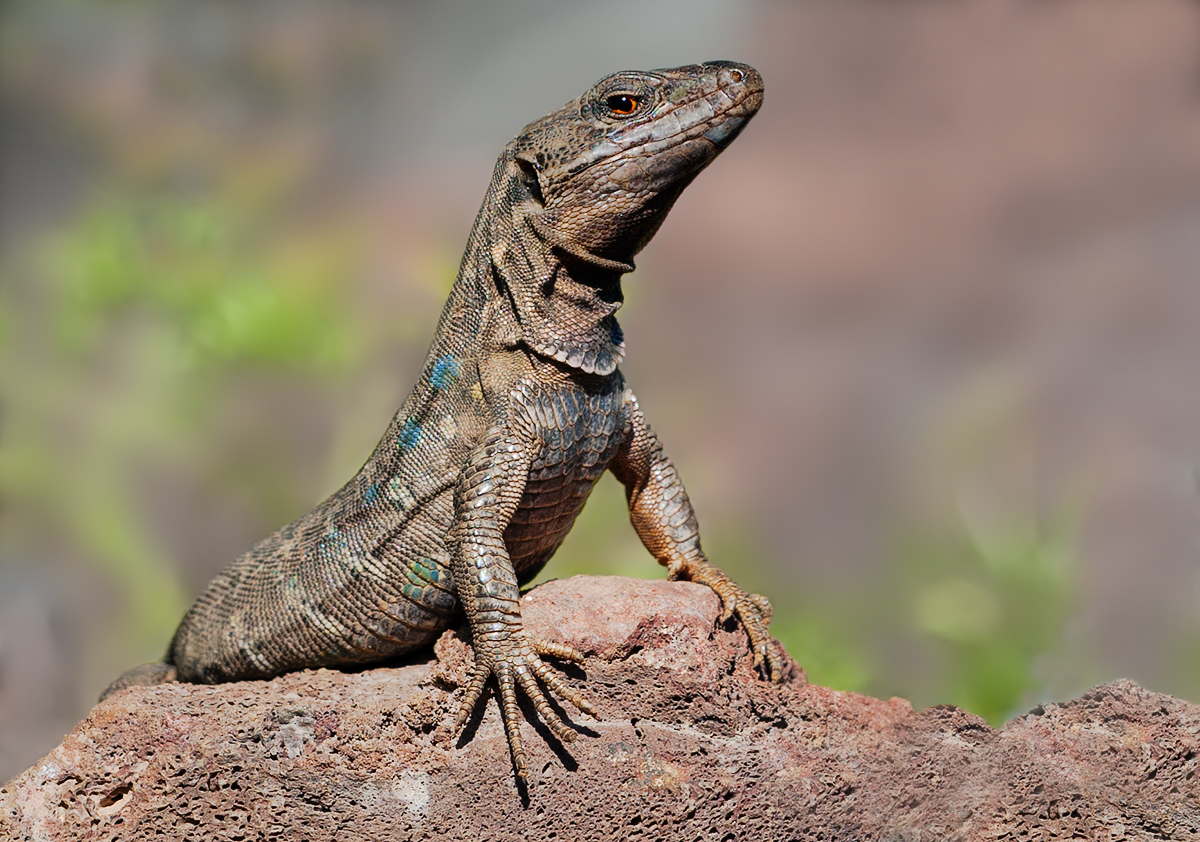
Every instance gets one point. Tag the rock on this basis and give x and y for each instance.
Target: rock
(691, 745)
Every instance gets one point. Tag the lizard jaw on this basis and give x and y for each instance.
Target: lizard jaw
(722, 135)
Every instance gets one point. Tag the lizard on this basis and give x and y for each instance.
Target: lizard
(519, 409)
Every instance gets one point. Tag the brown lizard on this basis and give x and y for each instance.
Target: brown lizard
(518, 411)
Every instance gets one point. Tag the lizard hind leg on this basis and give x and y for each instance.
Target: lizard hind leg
(144, 675)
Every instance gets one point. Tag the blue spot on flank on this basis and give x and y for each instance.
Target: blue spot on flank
(410, 434)
(445, 372)
(372, 493)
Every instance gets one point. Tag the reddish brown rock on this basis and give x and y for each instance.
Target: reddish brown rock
(691, 746)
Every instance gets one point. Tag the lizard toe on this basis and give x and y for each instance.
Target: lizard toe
(511, 715)
(479, 677)
(754, 612)
(528, 683)
(555, 684)
(561, 651)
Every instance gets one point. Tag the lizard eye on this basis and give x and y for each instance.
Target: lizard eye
(623, 104)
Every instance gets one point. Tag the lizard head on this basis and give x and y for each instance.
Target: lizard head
(596, 178)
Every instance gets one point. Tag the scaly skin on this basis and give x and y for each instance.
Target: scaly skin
(519, 410)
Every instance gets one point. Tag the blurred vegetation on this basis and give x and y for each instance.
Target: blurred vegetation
(994, 584)
(981, 617)
(133, 327)
(187, 274)
(145, 311)
(192, 268)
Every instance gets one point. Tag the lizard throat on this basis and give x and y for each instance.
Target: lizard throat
(550, 237)
(566, 319)
(590, 356)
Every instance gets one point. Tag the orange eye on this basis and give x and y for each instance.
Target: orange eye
(622, 104)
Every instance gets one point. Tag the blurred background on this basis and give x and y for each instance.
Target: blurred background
(924, 344)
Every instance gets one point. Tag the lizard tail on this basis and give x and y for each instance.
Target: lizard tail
(146, 674)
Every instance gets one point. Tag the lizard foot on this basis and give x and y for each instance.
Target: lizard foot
(752, 610)
(514, 661)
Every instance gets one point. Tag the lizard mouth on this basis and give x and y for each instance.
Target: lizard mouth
(744, 86)
(722, 135)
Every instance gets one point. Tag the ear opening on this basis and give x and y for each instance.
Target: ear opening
(529, 176)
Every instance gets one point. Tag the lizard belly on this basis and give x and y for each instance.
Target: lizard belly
(580, 432)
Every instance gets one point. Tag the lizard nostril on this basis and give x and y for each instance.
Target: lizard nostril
(735, 75)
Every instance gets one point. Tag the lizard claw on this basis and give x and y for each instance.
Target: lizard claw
(752, 610)
(728, 607)
(755, 614)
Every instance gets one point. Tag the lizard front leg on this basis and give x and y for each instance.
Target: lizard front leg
(664, 520)
(486, 584)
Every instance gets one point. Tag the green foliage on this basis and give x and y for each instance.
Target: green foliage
(991, 606)
(138, 317)
(985, 578)
(226, 297)
(964, 618)
(833, 652)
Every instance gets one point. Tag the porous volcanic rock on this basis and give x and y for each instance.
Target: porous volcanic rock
(691, 745)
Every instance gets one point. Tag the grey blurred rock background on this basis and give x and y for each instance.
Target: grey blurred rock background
(924, 344)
